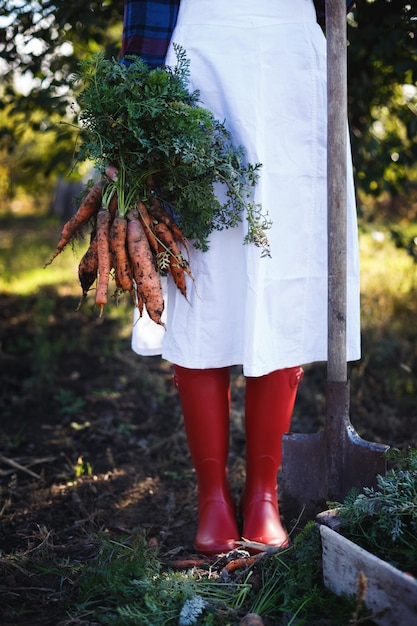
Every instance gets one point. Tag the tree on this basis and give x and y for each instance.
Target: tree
(41, 44)
(382, 75)
(47, 40)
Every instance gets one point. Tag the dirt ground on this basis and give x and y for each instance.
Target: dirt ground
(91, 440)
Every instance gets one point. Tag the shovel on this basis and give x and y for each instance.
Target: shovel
(325, 466)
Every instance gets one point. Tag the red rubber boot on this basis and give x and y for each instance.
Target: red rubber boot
(205, 400)
(269, 405)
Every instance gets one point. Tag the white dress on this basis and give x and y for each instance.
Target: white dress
(260, 66)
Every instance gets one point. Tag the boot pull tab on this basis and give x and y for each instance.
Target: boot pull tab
(296, 376)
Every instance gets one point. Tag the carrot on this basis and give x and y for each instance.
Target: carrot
(178, 275)
(157, 210)
(139, 301)
(120, 259)
(104, 257)
(148, 224)
(236, 564)
(113, 205)
(88, 266)
(145, 274)
(165, 235)
(160, 214)
(88, 207)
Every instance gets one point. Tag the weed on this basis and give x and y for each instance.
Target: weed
(11, 442)
(127, 585)
(69, 404)
(292, 590)
(82, 468)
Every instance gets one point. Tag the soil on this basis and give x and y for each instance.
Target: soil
(92, 442)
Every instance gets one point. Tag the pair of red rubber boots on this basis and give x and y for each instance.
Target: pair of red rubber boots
(269, 403)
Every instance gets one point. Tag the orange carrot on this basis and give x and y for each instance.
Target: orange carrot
(139, 301)
(240, 563)
(148, 224)
(88, 207)
(120, 259)
(88, 266)
(165, 235)
(113, 205)
(178, 275)
(145, 274)
(157, 210)
(104, 257)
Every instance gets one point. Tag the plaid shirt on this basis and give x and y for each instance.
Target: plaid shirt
(147, 28)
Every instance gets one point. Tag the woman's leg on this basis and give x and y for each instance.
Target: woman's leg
(269, 405)
(205, 401)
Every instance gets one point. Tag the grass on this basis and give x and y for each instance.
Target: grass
(124, 582)
(388, 274)
(24, 252)
(388, 280)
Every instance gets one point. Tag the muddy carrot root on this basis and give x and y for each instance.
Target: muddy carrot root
(104, 257)
(88, 207)
(144, 271)
(178, 275)
(113, 205)
(88, 266)
(165, 235)
(157, 211)
(120, 259)
(241, 563)
(148, 225)
(139, 303)
(160, 214)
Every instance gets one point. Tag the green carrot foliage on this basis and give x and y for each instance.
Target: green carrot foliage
(149, 125)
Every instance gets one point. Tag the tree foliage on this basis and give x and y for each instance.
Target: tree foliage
(382, 59)
(41, 45)
(47, 39)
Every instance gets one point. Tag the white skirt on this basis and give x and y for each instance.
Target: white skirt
(261, 67)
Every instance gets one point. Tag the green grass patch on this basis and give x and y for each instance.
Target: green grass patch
(126, 584)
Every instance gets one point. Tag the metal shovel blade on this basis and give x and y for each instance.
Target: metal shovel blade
(326, 465)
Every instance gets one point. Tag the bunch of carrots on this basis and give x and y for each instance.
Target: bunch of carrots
(169, 152)
(134, 245)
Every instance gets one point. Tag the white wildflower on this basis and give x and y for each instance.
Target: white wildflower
(191, 609)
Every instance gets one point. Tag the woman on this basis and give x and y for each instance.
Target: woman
(261, 67)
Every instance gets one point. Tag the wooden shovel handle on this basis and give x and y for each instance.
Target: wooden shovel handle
(336, 187)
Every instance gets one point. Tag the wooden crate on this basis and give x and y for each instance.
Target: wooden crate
(391, 595)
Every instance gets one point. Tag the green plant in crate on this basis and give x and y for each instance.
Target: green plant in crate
(383, 520)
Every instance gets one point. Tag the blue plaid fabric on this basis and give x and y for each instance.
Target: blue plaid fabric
(147, 28)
